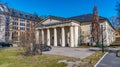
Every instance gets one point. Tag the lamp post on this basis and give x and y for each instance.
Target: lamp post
(102, 38)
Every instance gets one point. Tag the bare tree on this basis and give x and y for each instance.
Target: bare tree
(114, 21)
(95, 32)
(118, 16)
(118, 12)
(28, 42)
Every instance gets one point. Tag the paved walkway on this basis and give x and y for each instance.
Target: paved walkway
(110, 60)
(70, 52)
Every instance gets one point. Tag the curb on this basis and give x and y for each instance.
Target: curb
(100, 59)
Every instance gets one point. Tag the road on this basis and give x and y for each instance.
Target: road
(70, 52)
(110, 60)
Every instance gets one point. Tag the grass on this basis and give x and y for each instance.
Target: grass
(11, 57)
(116, 42)
(85, 46)
(93, 58)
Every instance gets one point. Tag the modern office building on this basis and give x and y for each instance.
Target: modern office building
(14, 23)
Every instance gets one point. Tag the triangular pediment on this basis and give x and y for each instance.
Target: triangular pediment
(51, 21)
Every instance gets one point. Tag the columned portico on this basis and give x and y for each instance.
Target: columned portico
(63, 36)
(59, 37)
(55, 37)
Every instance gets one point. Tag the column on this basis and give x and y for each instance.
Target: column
(37, 36)
(10, 35)
(19, 36)
(71, 37)
(42, 31)
(55, 37)
(63, 36)
(48, 37)
(76, 36)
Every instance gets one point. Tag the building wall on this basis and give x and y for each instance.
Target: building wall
(108, 33)
(15, 23)
(2, 28)
(17, 28)
(85, 33)
(117, 34)
(81, 33)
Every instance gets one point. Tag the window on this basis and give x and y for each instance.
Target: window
(7, 34)
(28, 25)
(7, 24)
(15, 28)
(15, 19)
(28, 21)
(7, 28)
(26, 16)
(15, 23)
(22, 20)
(28, 29)
(22, 28)
(21, 15)
(14, 14)
(22, 24)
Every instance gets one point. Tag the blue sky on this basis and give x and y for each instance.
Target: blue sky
(64, 8)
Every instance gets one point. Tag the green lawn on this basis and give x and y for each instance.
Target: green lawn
(85, 46)
(93, 58)
(11, 57)
(116, 43)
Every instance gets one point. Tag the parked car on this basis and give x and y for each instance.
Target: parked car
(46, 48)
(5, 44)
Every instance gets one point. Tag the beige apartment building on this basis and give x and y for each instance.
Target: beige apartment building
(14, 23)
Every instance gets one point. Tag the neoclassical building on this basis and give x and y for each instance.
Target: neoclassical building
(73, 31)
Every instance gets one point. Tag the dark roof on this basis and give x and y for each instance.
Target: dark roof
(58, 18)
(81, 18)
(87, 18)
(16, 13)
(84, 18)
